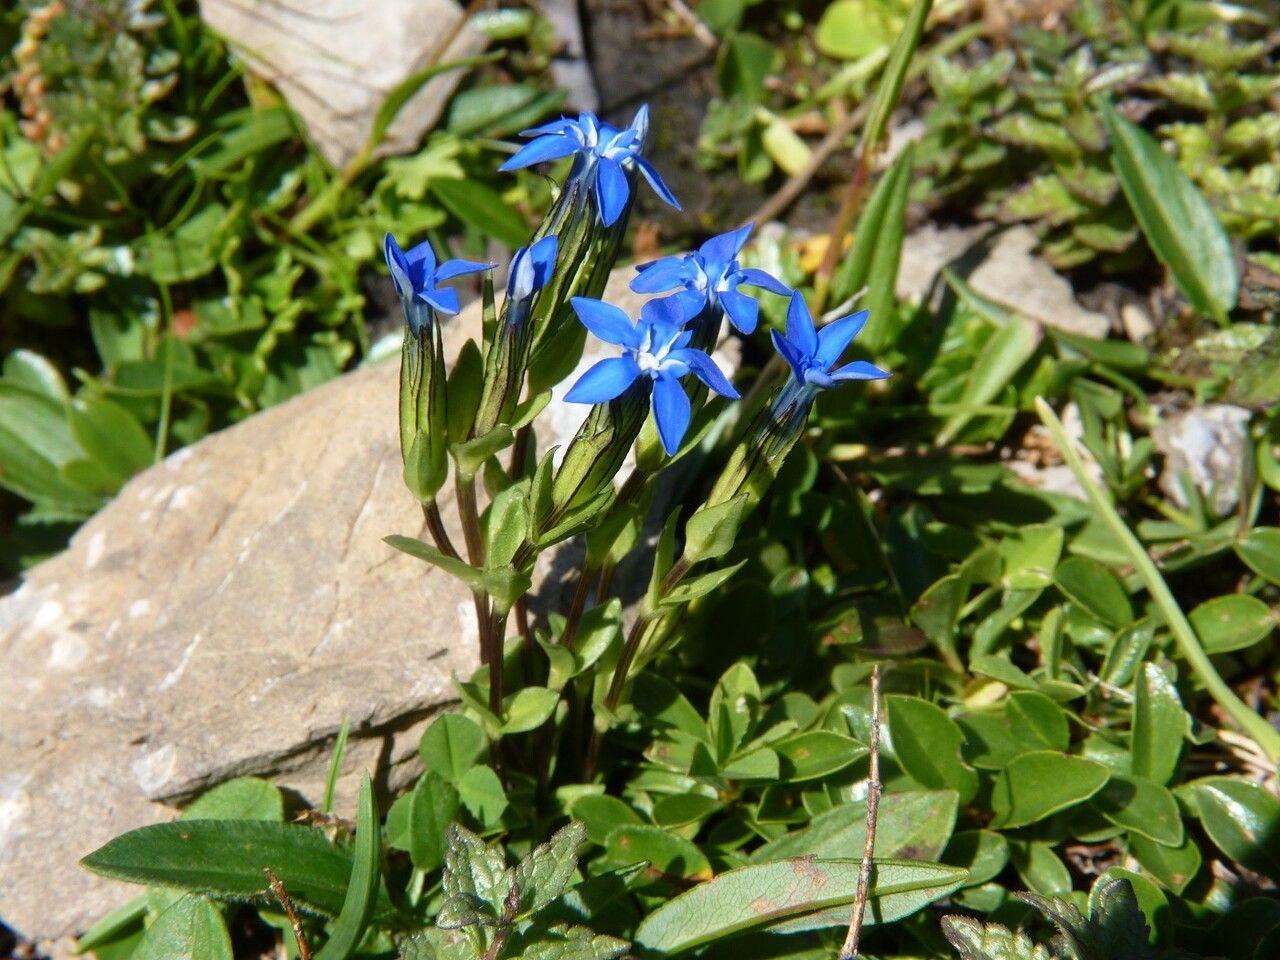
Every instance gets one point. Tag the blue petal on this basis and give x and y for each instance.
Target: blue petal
(789, 353)
(561, 126)
(835, 336)
(655, 181)
(421, 258)
(459, 268)
(743, 311)
(604, 381)
(693, 302)
(441, 299)
(663, 274)
(606, 322)
(665, 315)
(398, 265)
(755, 277)
(550, 147)
(722, 250)
(672, 411)
(543, 256)
(800, 330)
(860, 370)
(640, 124)
(612, 190)
(705, 369)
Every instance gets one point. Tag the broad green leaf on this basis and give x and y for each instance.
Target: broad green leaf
(850, 29)
(1155, 739)
(744, 62)
(227, 857)
(1093, 587)
(245, 798)
(982, 853)
(1176, 219)
(711, 530)
(528, 709)
(474, 870)
(927, 744)
(191, 928)
(482, 794)
(117, 925)
(1175, 867)
(601, 813)
(483, 208)
(873, 260)
(544, 874)
(1031, 556)
(1038, 784)
(434, 807)
(767, 893)
(1233, 622)
(915, 824)
(1039, 867)
(689, 590)
(1141, 806)
(666, 853)
(1150, 900)
(681, 809)
(1260, 550)
(1243, 820)
(188, 252)
(807, 756)
(111, 437)
(30, 371)
(362, 888)
(452, 745)
(975, 940)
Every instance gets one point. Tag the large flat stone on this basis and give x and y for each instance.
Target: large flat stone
(221, 617)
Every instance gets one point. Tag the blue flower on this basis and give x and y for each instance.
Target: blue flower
(417, 277)
(655, 347)
(812, 353)
(531, 268)
(603, 155)
(711, 275)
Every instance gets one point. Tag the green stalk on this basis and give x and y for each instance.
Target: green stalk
(1266, 736)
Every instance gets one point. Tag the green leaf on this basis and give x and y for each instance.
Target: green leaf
(982, 853)
(1243, 820)
(404, 91)
(111, 437)
(452, 565)
(1142, 807)
(1234, 622)
(851, 29)
(188, 253)
(452, 745)
(927, 744)
(117, 925)
(471, 454)
(712, 530)
(433, 807)
(528, 709)
(876, 254)
(600, 813)
(544, 874)
(1176, 219)
(362, 889)
(227, 857)
(245, 798)
(190, 928)
(975, 940)
(483, 208)
(895, 72)
(1031, 555)
(482, 794)
(1260, 550)
(1158, 724)
(754, 896)
(1175, 867)
(474, 870)
(913, 824)
(665, 852)
(1038, 784)
(689, 590)
(817, 753)
(1093, 587)
(1039, 867)
(745, 60)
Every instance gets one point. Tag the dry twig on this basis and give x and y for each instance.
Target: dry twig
(304, 945)
(850, 949)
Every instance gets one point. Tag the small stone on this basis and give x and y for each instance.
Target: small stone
(1208, 445)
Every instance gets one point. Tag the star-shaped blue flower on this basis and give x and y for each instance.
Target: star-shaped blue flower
(417, 277)
(603, 155)
(655, 347)
(711, 275)
(812, 353)
(531, 268)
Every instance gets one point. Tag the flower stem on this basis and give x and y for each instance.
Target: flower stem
(586, 579)
(468, 512)
(1266, 736)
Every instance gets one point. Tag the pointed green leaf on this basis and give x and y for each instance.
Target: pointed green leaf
(1038, 784)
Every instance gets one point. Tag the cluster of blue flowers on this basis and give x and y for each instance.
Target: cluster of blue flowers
(655, 347)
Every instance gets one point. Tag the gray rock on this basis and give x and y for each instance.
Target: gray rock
(1003, 268)
(219, 618)
(336, 61)
(1209, 445)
